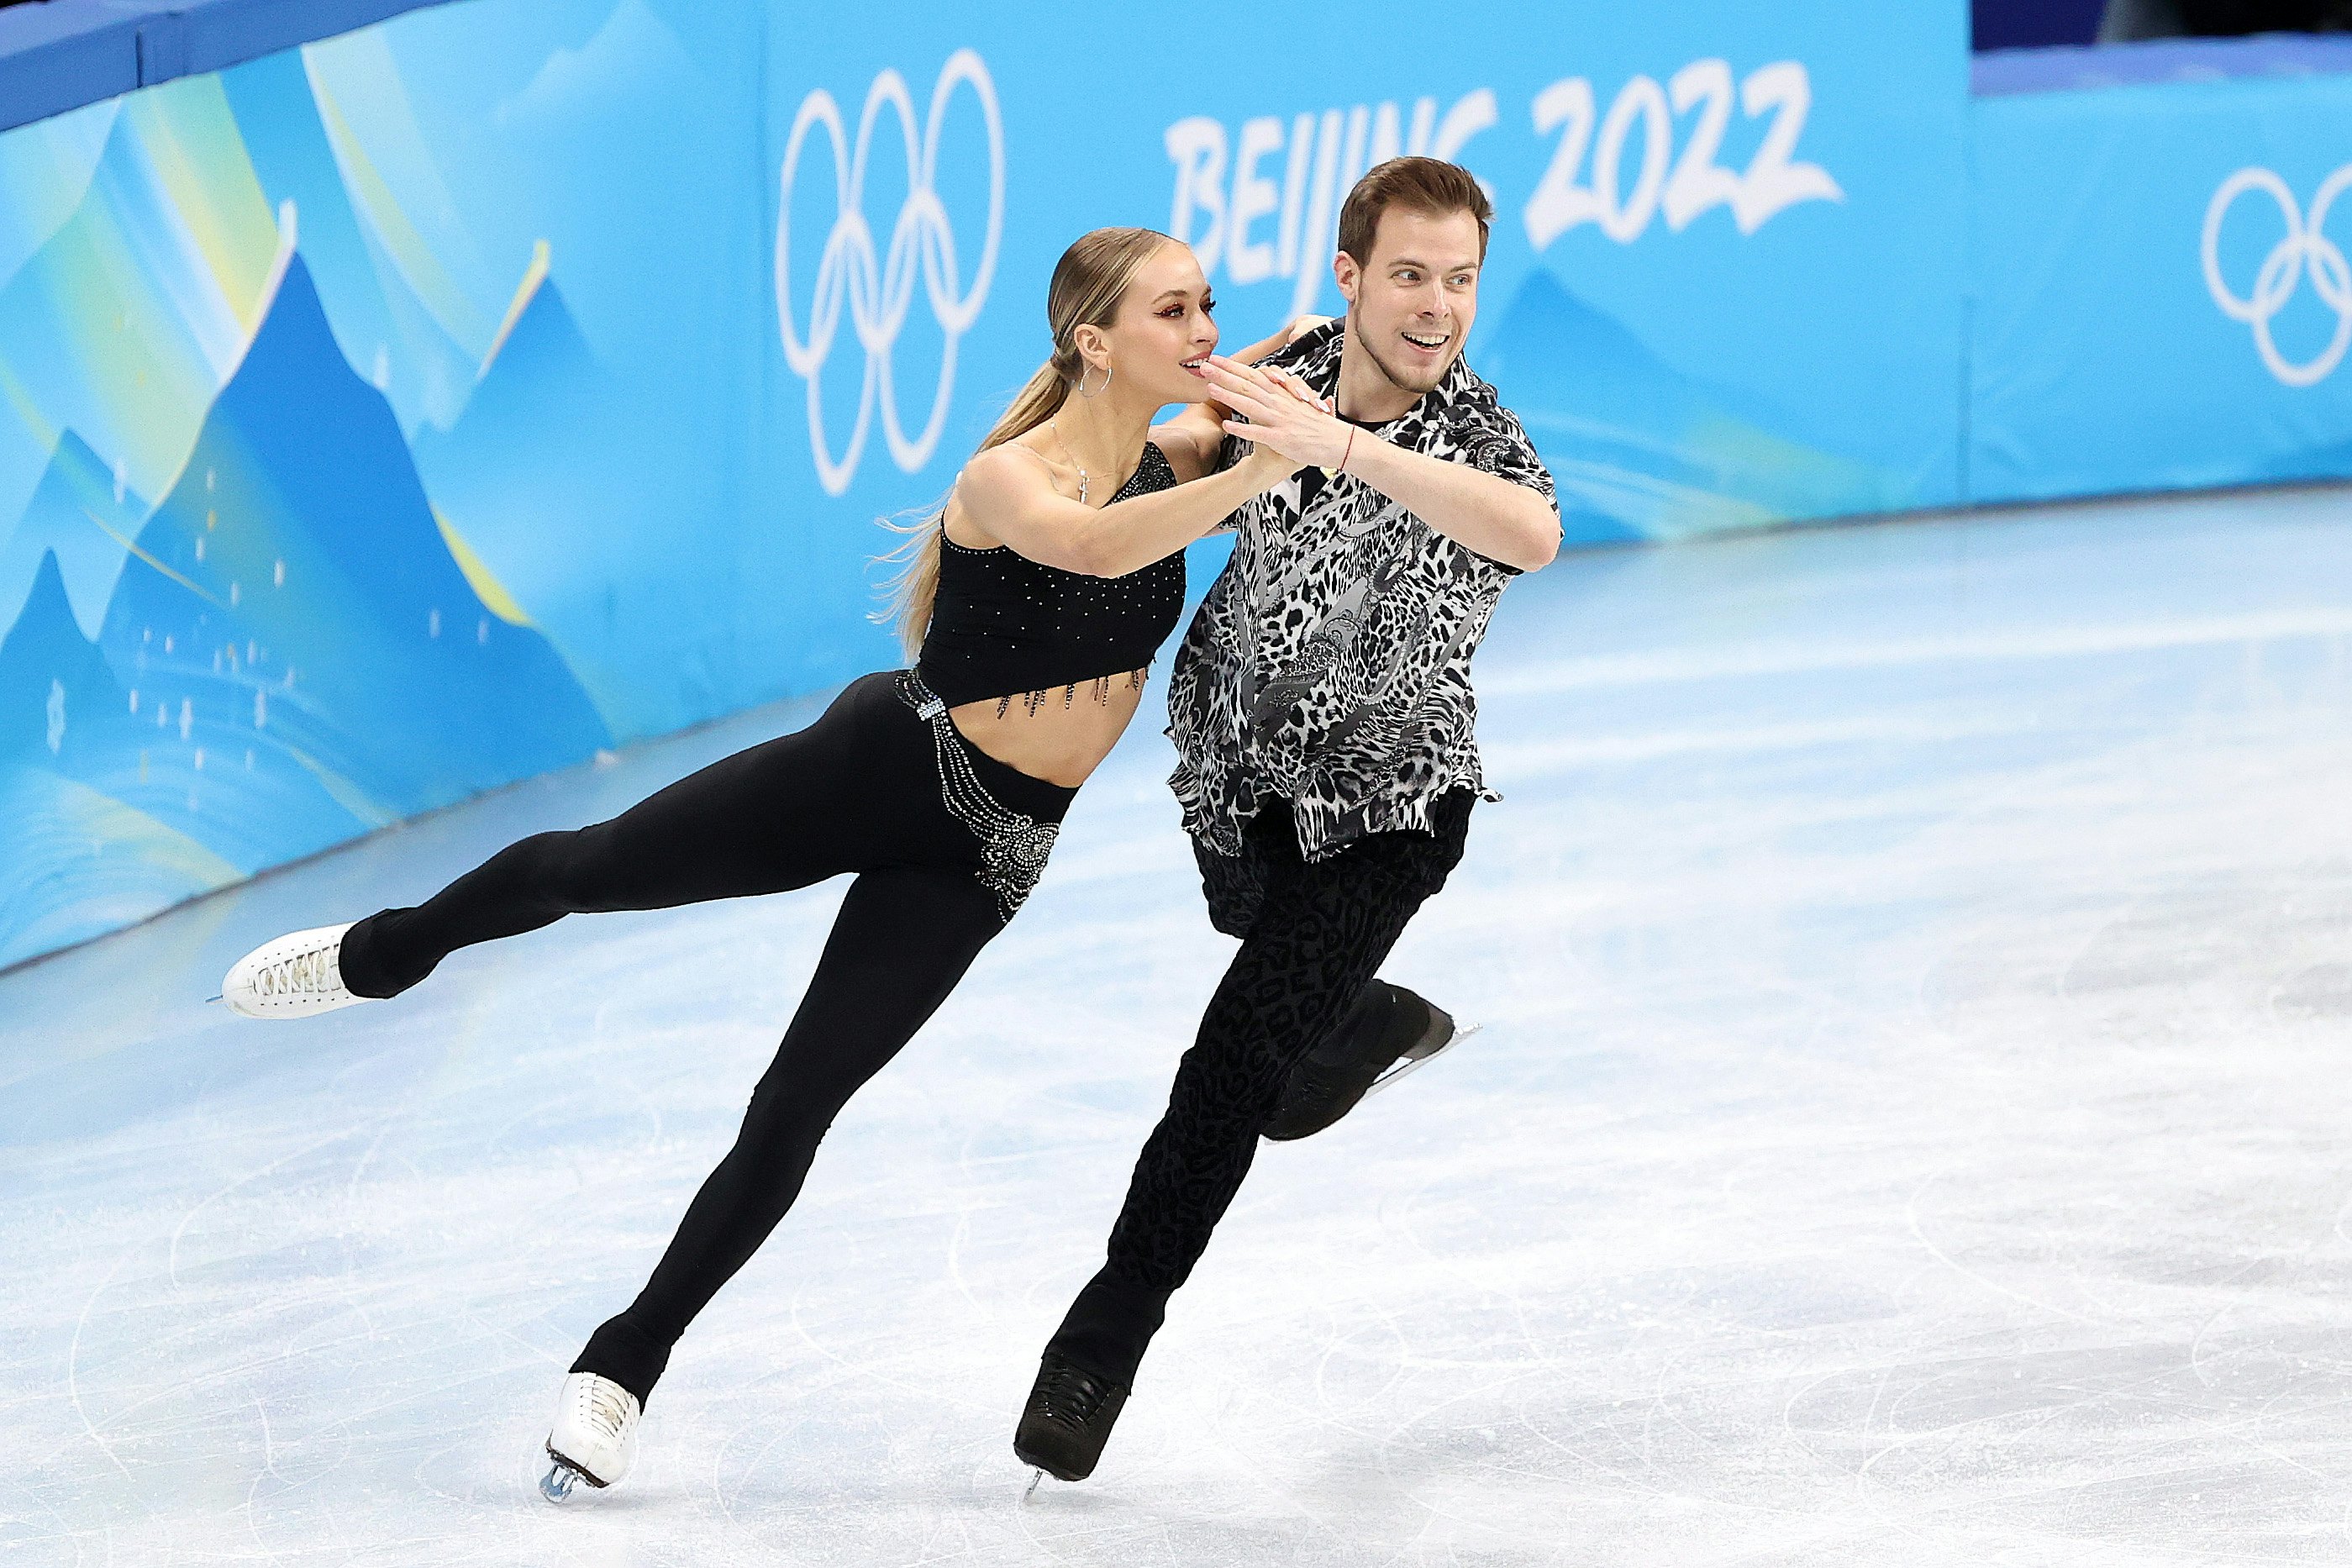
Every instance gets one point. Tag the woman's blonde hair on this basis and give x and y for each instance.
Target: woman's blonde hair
(1088, 283)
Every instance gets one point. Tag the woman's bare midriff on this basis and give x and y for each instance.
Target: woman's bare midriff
(1064, 738)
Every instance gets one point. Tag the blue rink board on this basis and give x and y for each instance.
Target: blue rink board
(523, 362)
(63, 54)
(2154, 307)
(389, 418)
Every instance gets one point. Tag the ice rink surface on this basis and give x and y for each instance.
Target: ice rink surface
(1912, 1126)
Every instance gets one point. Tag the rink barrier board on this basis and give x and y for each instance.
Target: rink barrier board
(2161, 294)
(64, 54)
(425, 434)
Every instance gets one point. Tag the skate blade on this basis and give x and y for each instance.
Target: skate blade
(210, 1000)
(1414, 1064)
(1036, 1479)
(562, 1478)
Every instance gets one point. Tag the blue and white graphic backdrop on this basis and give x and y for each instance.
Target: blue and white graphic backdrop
(2163, 297)
(1726, 274)
(405, 414)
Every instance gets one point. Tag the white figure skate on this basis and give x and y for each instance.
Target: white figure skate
(595, 1436)
(292, 977)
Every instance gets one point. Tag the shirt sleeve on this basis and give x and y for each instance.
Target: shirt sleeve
(1493, 439)
(1488, 436)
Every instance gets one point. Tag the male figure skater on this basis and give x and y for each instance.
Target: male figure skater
(1322, 709)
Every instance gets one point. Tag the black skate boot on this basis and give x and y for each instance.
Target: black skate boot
(1067, 1421)
(1390, 1031)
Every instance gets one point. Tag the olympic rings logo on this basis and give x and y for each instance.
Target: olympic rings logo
(878, 291)
(2303, 246)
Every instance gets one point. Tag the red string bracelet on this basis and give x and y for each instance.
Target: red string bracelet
(1348, 450)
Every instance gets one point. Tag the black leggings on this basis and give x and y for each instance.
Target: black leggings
(1314, 935)
(864, 790)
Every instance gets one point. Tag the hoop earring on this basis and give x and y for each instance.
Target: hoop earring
(1084, 370)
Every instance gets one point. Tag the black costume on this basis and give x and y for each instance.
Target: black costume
(944, 840)
(1313, 933)
(1322, 711)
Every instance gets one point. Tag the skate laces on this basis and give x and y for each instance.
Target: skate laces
(1068, 1394)
(604, 1405)
(306, 972)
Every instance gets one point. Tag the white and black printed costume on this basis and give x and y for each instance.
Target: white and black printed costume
(1328, 671)
(1329, 664)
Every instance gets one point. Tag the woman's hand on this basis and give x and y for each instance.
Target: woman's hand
(1282, 413)
(1264, 467)
(1265, 463)
(1302, 325)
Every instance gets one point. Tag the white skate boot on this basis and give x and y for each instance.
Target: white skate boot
(595, 1436)
(292, 977)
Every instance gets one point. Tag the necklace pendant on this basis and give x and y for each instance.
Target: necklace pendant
(1055, 427)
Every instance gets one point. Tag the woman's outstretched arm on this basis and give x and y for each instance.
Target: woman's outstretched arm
(1008, 492)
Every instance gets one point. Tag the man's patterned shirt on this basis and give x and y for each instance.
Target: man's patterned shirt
(1330, 663)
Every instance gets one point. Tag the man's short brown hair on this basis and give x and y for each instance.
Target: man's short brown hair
(1428, 185)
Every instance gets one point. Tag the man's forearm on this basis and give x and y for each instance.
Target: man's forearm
(1478, 511)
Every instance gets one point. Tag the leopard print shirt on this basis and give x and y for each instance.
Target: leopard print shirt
(1330, 662)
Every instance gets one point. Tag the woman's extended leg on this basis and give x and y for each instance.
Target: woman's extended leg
(778, 816)
(903, 938)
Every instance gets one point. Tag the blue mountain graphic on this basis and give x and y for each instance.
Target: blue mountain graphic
(528, 454)
(370, 306)
(58, 698)
(80, 863)
(536, 476)
(70, 516)
(298, 626)
(132, 393)
(1640, 450)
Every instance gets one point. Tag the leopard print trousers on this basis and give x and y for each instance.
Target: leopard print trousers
(1313, 933)
(1312, 936)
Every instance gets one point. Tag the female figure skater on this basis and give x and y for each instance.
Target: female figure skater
(1035, 602)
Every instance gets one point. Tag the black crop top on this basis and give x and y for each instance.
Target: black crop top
(1004, 625)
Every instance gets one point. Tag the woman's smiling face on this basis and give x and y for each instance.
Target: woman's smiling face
(1165, 327)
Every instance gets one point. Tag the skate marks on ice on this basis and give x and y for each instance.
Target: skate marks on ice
(1908, 1128)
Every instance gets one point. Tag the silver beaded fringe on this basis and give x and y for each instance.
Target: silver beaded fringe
(1013, 845)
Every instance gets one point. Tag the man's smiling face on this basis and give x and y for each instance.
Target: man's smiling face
(1410, 306)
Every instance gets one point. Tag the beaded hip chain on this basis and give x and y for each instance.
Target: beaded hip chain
(1013, 845)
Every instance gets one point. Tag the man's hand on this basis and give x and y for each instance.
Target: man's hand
(1478, 511)
(1263, 458)
(1281, 412)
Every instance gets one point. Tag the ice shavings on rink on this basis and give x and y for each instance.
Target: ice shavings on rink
(1909, 1127)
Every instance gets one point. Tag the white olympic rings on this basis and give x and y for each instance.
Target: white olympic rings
(878, 293)
(2305, 246)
